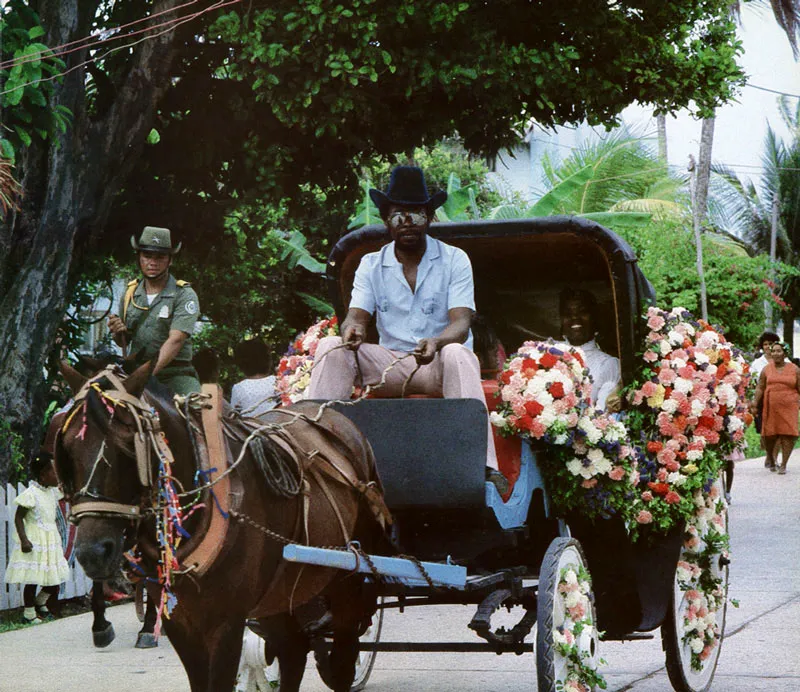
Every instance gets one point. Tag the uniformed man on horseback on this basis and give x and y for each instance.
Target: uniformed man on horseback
(158, 314)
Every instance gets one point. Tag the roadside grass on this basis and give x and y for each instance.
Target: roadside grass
(754, 443)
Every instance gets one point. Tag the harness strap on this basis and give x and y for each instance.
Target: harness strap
(331, 501)
(115, 509)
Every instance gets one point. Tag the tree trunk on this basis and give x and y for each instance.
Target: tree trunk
(68, 190)
(789, 316)
(661, 125)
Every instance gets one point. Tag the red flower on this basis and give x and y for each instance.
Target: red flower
(525, 422)
(548, 360)
(505, 378)
(659, 488)
(706, 422)
(534, 408)
(557, 390)
(654, 447)
(672, 498)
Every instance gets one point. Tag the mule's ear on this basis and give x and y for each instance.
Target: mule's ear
(135, 384)
(88, 364)
(74, 379)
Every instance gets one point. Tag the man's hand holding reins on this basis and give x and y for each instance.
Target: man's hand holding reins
(426, 350)
(117, 328)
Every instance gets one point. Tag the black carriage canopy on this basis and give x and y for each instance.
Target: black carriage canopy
(520, 268)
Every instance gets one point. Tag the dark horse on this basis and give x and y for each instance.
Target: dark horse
(102, 630)
(99, 460)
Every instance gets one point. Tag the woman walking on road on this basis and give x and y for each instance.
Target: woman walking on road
(38, 559)
(779, 390)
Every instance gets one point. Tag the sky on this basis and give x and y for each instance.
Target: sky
(740, 127)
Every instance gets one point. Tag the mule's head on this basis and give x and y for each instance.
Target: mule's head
(96, 462)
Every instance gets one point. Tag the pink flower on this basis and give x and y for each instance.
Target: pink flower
(644, 517)
(672, 498)
(649, 389)
(589, 483)
(650, 356)
(655, 322)
(537, 429)
(617, 473)
(647, 496)
(667, 376)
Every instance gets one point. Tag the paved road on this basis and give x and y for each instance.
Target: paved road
(760, 652)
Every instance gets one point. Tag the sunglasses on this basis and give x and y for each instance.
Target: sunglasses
(417, 218)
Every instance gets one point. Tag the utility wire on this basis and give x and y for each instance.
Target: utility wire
(171, 26)
(58, 51)
(772, 91)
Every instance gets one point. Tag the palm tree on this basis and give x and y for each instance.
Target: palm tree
(742, 209)
(9, 187)
(617, 180)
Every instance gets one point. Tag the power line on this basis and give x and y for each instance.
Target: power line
(772, 91)
(171, 26)
(57, 51)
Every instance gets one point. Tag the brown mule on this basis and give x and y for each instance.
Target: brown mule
(325, 494)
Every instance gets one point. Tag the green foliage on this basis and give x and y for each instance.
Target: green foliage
(737, 285)
(11, 448)
(26, 87)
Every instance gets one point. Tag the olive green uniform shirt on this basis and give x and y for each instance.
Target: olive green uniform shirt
(176, 307)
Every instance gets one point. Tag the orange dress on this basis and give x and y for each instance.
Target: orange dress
(781, 404)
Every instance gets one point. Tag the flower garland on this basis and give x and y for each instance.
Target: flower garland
(688, 410)
(294, 370)
(574, 588)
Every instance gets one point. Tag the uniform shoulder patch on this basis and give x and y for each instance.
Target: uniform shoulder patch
(182, 283)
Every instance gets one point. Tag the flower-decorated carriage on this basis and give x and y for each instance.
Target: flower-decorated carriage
(615, 525)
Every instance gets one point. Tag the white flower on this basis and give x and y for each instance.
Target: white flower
(547, 416)
(575, 466)
(561, 439)
(694, 455)
(700, 358)
(676, 338)
(536, 386)
(696, 644)
(593, 435)
(697, 407)
(683, 385)
(572, 599)
(676, 478)
(669, 405)
(496, 419)
(664, 347)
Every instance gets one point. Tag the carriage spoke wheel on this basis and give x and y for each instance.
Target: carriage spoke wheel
(140, 600)
(365, 660)
(565, 650)
(678, 652)
(255, 673)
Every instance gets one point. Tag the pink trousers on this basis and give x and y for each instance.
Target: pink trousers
(454, 373)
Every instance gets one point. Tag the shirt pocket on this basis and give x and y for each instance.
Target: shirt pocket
(382, 304)
(434, 304)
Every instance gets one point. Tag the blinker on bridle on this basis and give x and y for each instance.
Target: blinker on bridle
(146, 439)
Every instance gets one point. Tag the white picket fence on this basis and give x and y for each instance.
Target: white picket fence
(78, 583)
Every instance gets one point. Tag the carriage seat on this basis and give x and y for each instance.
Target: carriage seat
(508, 449)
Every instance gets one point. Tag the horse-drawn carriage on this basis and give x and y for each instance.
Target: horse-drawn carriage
(431, 456)
(455, 539)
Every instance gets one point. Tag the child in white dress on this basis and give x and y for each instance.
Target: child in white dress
(255, 395)
(37, 558)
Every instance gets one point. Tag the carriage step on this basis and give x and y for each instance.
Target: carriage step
(443, 647)
(410, 572)
(631, 637)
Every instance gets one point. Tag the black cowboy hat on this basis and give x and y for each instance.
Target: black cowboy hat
(407, 188)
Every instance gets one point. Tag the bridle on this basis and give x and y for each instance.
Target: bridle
(148, 439)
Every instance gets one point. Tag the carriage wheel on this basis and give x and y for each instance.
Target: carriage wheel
(564, 651)
(678, 653)
(365, 660)
(140, 600)
(255, 674)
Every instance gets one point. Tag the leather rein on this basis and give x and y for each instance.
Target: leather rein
(148, 439)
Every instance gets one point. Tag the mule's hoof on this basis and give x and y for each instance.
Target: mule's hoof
(104, 637)
(146, 640)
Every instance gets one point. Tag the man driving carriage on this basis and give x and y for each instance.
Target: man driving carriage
(421, 292)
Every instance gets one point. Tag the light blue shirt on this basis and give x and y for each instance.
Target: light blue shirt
(444, 282)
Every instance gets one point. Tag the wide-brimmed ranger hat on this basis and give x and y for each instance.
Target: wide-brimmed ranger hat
(407, 188)
(155, 239)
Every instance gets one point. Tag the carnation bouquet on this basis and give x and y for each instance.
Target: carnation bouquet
(294, 370)
(544, 388)
(545, 392)
(688, 410)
